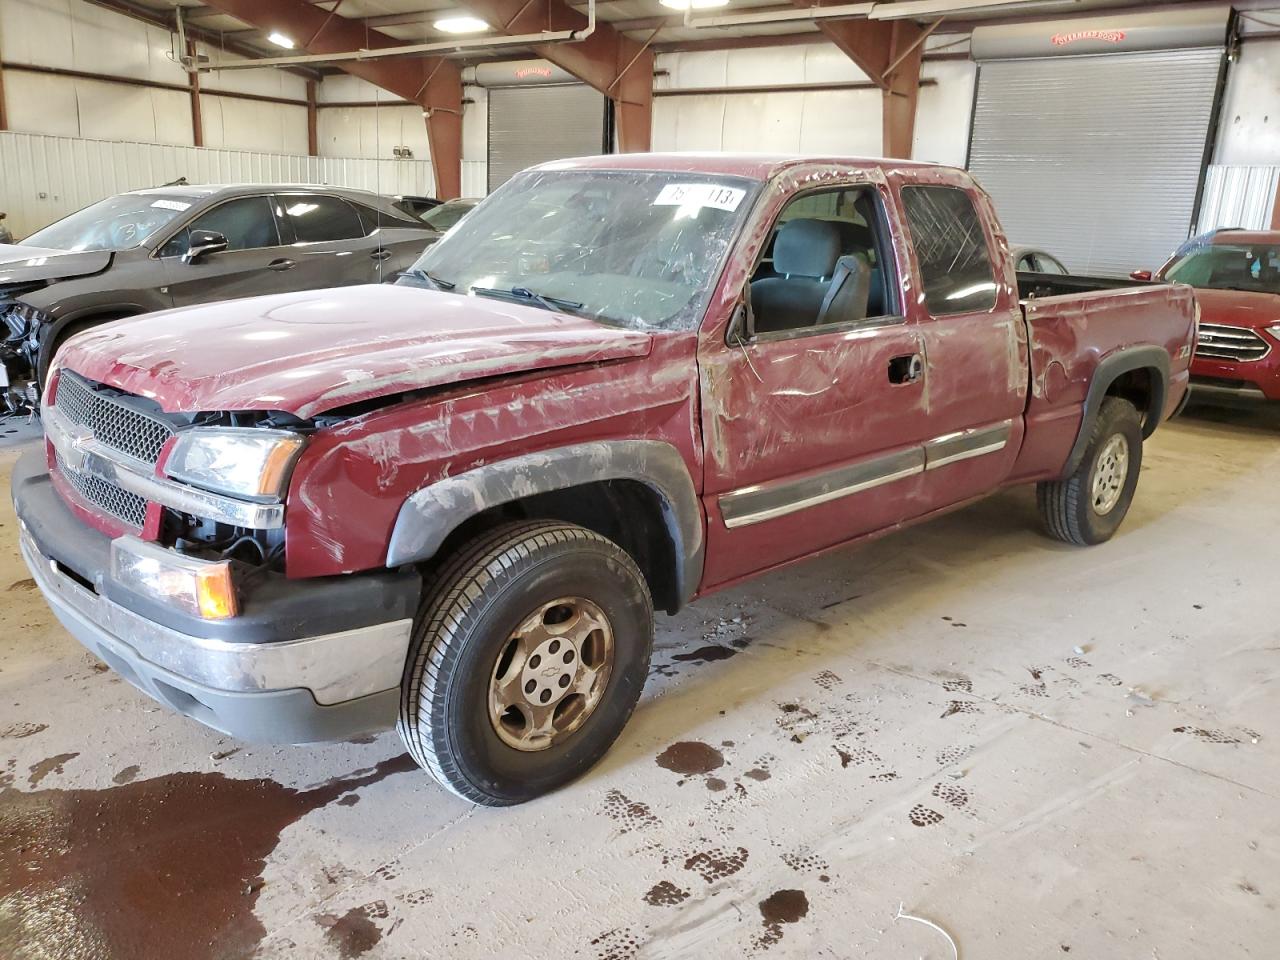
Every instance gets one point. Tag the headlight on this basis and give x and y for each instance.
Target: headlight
(201, 588)
(242, 461)
(1274, 330)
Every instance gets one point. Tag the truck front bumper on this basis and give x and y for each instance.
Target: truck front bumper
(281, 674)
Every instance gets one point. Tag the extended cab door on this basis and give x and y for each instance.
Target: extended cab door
(814, 415)
(249, 266)
(973, 334)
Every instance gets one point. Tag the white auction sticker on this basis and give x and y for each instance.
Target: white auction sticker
(171, 205)
(699, 195)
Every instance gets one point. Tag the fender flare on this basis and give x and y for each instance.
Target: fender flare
(428, 516)
(1109, 369)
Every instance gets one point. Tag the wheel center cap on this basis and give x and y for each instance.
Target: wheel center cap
(550, 671)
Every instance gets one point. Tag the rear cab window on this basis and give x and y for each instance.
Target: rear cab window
(951, 249)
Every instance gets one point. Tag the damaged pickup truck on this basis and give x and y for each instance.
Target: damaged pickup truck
(452, 504)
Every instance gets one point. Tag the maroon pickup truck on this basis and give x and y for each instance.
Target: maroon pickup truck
(453, 503)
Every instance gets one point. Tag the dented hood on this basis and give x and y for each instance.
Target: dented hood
(305, 353)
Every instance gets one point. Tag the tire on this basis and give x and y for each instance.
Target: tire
(1069, 508)
(497, 594)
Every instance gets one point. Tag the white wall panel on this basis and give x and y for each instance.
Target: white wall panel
(372, 131)
(41, 104)
(48, 177)
(1239, 196)
(942, 115)
(233, 124)
(1249, 128)
(345, 88)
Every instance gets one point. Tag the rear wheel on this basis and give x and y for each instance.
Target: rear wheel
(528, 657)
(1089, 506)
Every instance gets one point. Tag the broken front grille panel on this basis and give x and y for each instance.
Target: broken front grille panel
(114, 420)
(1220, 342)
(118, 423)
(114, 501)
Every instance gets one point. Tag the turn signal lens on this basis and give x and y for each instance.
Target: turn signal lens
(215, 592)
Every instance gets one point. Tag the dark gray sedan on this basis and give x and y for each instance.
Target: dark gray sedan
(173, 246)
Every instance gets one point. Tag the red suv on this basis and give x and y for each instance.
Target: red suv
(1236, 274)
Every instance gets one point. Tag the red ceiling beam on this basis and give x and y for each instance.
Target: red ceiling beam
(889, 52)
(614, 64)
(433, 83)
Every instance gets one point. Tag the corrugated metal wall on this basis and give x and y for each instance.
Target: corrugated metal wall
(44, 178)
(1239, 196)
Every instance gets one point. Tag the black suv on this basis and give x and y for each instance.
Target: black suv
(173, 246)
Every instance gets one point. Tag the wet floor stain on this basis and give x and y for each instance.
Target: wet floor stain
(354, 933)
(706, 654)
(127, 775)
(159, 868)
(1218, 736)
(715, 784)
(758, 773)
(27, 584)
(49, 765)
(690, 757)
(781, 907)
(19, 731)
(961, 706)
(666, 894)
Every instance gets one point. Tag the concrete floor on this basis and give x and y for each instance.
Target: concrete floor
(1044, 750)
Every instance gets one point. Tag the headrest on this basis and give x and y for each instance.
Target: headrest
(806, 248)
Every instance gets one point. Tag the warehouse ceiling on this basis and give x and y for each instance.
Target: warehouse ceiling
(647, 21)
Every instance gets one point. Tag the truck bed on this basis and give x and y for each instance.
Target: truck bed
(1036, 285)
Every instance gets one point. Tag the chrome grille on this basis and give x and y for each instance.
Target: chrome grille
(1220, 342)
(124, 506)
(113, 421)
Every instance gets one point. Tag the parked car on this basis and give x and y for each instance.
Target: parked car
(453, 503)
(416, 206)
(1236, 275)
(180, 245)
(1031, 260)
(444, 217)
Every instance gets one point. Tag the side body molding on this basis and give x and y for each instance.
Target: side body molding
(1109, 370)
(435, 511)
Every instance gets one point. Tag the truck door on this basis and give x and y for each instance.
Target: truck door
(974, 341)
(813, 408)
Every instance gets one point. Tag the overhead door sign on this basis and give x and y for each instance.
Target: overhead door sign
(1103, 36)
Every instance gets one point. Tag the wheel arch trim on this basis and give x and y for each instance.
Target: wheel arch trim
(1110, 369)
(428, 516)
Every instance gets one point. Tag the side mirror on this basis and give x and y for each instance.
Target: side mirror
(202, 243)
(740, 325)
(1140, 275)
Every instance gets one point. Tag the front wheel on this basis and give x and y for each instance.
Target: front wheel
(1088, 506)
(528, 656)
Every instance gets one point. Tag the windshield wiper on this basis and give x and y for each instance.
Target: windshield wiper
(554, 304)
(434, 281)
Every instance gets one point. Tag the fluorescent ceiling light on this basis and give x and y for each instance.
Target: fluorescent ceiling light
(460, 25)
(695, 4)
(280, 40)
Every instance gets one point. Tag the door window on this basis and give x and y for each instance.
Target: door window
(826, 263)
(946, 234)
(246, 222)
(318, 219)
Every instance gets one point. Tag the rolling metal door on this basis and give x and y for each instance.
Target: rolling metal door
(535, 124)
(1097, 159)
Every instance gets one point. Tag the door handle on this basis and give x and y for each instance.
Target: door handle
(284, 263)
(380, 255)
(906, 369)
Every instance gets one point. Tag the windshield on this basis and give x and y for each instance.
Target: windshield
(630, 248)
(1220, 266)
(116, 223)
(447, 214)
